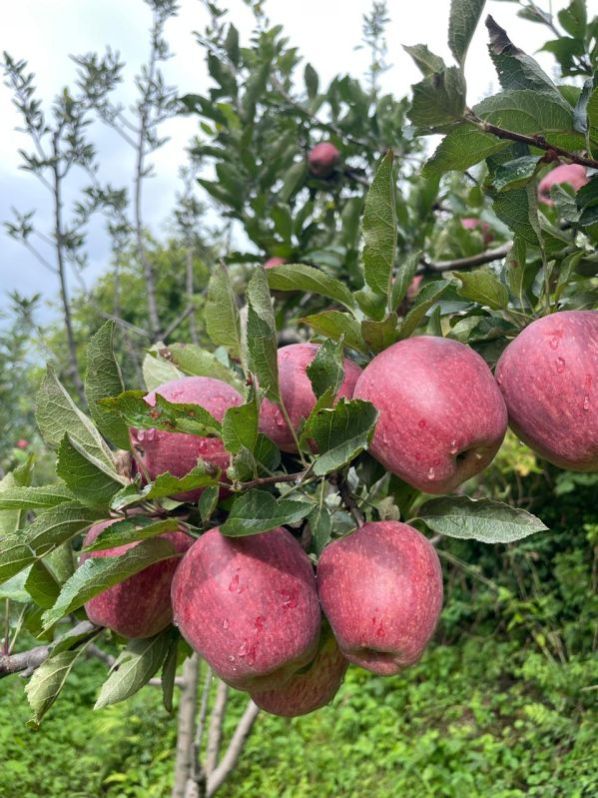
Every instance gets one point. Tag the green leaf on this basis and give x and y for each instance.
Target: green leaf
(532, 112)
(341, 433)
(15, 555)
(134, 668)
(130, 530)
(518, 210)
(14, 588)
(405, 274)
(299, 277)
(103, 378)
(326, 371)
(88, 479)
(574, 18)
(258, 511)
(427, 62)
(42, 585)
(516, 69)
(189, 418)
(262, 341)
(99, 573)
(484, 287)
(203, 475)
(57, 414)
(240, 426)
(426, 299)
(338, 326)
(37, 498)
(516, 268)
(464, 18)
(198, 362)
(157, 371)
(221, 312)
(484, 520)
(10, 517)
(57, 525)
(47, 681)
(168, 675)
(464, 146)
(380, 334)
(438, 100)
(208, 501)
(380, 228)
(311, 79)
(320, 524)
(293, 181)
(515, 174)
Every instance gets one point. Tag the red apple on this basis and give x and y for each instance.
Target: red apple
(322, 159)
(22, 443)
(413, 288)
(573, 174)
(249, 606)
(158, 451)
(471, 223)
(549, 378)
(272, 263)
(140, 606)
(442, 417)
(297, 394)
(381, 590)
(312, 687)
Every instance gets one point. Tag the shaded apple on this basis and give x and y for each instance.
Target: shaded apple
(573, 174)
(297, 394)
(272, 263)
(312, 687)
(442, 418)
(249, 606)
(22, 443)
(381, 590)
(140, 605)
(322, 159)
(549, 379)
(159, 451)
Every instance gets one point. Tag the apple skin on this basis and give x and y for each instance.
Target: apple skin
(472, 223)
(442, 418)
(549, 379)
(140, 605)
(322, 159)
(297, 393)
(157, 451)
(272, 263)
(573, 174)
(248, 606)
(310, 689)
(381, 590)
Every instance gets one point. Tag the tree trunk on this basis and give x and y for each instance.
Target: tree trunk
(186, 727)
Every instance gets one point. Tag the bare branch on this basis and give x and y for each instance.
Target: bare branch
(215, 729)
(185, 725)
(438, 267)
(26, 662)
(230, 758)
(178, 321)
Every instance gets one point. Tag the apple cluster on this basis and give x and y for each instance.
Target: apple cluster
(255, 607)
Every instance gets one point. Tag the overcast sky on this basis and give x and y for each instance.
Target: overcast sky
(45, 32)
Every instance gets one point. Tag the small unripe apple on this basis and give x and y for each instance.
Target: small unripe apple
(573, 174)
(442, 418)
(381, 590)
(322, 159)
(272, 263)
(297, 394)
(549, 379)
(249, 607)
(22, 443)
(157, 451)
(471, 223)
(310, 688)
(140, 605)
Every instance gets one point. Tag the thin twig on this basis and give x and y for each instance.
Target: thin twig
(215, 728)
(438, 267)
(229, 760)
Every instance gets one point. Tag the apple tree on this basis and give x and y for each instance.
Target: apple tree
(273, 503)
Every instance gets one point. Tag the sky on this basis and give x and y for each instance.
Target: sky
(46, 32)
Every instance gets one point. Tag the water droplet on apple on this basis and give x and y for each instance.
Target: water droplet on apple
(560, 365)
(422, 424)
(234, 585)
(259, 623)
(289, 600)
(586, 403)
(554, 342)
(231, 658)
(454, 449)
(478, 455)
(242, 652)
(431, 474)
(225, 624)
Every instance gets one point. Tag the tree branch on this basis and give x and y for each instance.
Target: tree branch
(533, 141)
(230, 758)
(438, 267)
(26, 662)
(215, 729)
(185, 725)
